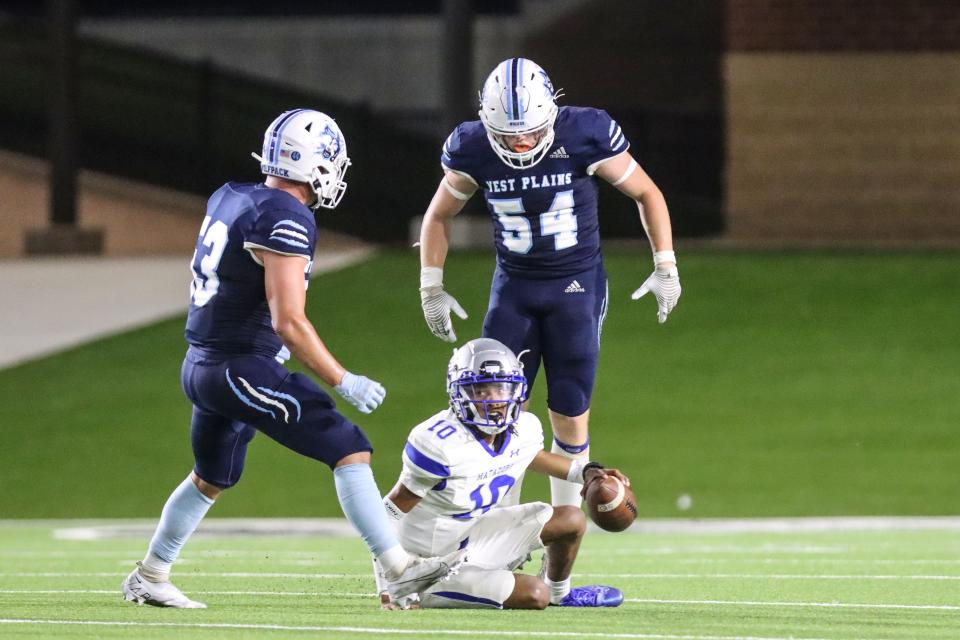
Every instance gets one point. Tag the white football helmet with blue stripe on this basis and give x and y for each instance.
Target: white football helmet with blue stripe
(518, 99)
(307, 146)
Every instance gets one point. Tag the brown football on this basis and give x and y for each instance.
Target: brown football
(611, 504)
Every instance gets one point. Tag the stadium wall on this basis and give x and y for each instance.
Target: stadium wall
(137, 219)
(843, 123)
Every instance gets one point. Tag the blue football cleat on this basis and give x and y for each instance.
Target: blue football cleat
(594, 595)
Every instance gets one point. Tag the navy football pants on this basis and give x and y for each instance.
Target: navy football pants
(557, 320)
(234, 397)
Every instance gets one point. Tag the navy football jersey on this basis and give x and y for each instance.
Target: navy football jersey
(228, 304)
(544, 217)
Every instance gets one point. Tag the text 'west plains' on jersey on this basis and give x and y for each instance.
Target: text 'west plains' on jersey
(544, 217)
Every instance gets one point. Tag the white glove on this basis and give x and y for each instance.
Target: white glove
(362, 392)
(664, 283)
(437, 304)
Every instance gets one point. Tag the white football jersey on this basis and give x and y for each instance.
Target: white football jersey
(460, 478)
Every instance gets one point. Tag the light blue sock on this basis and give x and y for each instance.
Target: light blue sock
(361, 502)
(184, 510)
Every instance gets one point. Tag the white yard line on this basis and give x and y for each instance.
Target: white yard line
(185, 574)
(395, 631)
(764, 576)
(340, 594)
(643, 576)
(863, 561)
(829, 605)
(215, 527)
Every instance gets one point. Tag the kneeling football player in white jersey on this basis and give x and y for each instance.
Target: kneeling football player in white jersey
(460, 489)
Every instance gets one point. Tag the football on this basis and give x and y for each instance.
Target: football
(611, 504)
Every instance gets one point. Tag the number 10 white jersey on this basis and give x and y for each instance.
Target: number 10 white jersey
(460, 478)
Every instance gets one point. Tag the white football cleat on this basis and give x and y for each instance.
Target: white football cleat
(423, 572)
(139, 590)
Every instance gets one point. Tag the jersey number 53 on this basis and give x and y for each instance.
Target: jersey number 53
(205, 279)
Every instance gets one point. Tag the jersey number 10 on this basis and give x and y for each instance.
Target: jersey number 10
(497, 488)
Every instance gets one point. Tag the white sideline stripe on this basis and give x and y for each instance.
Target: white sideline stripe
(186, 574)
(646, 576)
(195, 554)
(745, 603)
(840, 605)
(687, 549)
(387, 631)
(763, 576)
(886, 561)
(214, 527)
(198, 593)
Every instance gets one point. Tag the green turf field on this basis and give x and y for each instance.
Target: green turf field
(837, 585)
(783, 384)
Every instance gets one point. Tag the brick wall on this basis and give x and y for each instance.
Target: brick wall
(843, 122)
(843, 25)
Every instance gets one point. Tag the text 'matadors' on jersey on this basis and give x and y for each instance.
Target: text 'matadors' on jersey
(460, 478)
(545, 217)
(228, 304)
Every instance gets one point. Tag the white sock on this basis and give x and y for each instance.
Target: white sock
(155, 569)
(394, 561)
(558, 590)
(563, 493)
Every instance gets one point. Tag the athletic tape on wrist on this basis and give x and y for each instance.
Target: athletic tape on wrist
(575, 474)
(431, 277)
(664, 256)
(393, 511)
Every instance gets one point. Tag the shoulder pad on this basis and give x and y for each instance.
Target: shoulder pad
(463, 147)
(425, 448)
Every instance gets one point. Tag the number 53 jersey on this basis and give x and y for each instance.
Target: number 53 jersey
(228, 312)
(460, 478)
(545, 216)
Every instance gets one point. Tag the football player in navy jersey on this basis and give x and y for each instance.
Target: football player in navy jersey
(247, 316)
(536, 165)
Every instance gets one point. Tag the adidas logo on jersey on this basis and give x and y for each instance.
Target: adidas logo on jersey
(560, 153)
(574, 287)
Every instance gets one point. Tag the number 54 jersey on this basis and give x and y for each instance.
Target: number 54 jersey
(545, 216)
(460, 478)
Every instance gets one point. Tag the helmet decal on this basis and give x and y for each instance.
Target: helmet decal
(547, 83)
(329, 144)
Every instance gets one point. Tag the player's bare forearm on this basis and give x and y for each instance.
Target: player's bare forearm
(551, 464)
(287, 297)
(301, 338)
(557, 466)
(434, 240)
(629, 178)
(403, 498)
(435, 232)
(656, 220)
